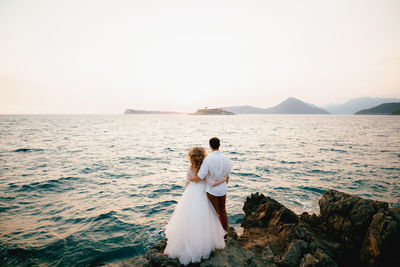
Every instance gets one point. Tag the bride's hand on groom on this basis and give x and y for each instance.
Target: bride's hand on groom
(225, 180)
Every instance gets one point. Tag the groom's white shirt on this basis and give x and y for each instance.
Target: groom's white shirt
(214, 168)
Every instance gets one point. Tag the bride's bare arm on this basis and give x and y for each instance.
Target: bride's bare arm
(196, 179)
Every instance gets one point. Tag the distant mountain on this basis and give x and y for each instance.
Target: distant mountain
(294, 106)
(289, 106)
(212, 111)
(135, 111)
(354, 105)
(383, 109)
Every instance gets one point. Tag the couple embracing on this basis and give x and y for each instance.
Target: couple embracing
(199, 222)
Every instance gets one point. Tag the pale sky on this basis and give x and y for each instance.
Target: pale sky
(105, 56)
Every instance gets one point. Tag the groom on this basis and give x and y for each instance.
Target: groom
(215, 167)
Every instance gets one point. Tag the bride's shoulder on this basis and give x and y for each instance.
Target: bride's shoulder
(189, 169)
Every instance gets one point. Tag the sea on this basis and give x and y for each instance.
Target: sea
(84, 190)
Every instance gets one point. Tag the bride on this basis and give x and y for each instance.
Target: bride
(194, 229)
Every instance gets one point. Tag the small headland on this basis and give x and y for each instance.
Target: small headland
(212, 111)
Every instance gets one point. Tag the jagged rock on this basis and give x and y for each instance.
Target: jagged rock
(350, 231)
(293, 253)
(347, 216)
(308, 261)
(381, 243)
(261, 211)
(363, 227)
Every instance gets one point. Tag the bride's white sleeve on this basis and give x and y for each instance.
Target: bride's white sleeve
(189, 174)
(203, 169)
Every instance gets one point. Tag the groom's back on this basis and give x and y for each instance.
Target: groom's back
(214, 168)
(219, 165)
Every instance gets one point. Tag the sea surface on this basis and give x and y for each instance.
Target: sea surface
(82, 190)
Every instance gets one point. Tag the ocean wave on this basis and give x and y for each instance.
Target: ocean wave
(390, 168)
(4, 209)
(37, 167)
(264, 169)
(236, 153)
(59, 185)
(321, 171)
(73, 250)
(80, 220)
(360, 182)
(2, 198)
(333, 150)
(313, 189)
(165, 190)
(290, 162)
(246, 174)
(235, 218)
(108, 215)
(119, 175)
(281, 188)
(147, 158)
(13, 255)
(153, 208)
(27, 150)
(88, 170)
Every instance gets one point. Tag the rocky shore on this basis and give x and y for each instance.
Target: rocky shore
(349, 231)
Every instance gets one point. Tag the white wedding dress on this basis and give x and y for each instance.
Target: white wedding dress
(193, 230)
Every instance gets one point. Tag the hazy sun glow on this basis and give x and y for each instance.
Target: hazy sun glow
(105, 56)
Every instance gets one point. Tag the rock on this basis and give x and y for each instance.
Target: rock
(349, 231)
(308, 261)
(265, 212)
(293, 253)
(363, 227)
(381, 243)
(348, 216)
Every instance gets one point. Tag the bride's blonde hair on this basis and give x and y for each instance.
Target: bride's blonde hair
(196, 156)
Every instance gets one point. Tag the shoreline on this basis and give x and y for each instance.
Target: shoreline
(348, 231)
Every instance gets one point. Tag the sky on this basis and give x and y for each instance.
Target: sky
(101, 57)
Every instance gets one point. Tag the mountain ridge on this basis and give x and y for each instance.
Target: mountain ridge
(382, 109)
(289, 106)
(356, 104)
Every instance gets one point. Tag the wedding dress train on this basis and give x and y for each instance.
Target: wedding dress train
(193, 230)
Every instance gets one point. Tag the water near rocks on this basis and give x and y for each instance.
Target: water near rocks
(87, 189)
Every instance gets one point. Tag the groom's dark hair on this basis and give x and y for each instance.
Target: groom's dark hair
(214, 143)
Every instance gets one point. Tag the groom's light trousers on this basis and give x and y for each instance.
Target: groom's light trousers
(219, 206)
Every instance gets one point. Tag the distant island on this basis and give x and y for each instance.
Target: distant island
(383, 109)
(289, 106)
(358, 104)
(212, 111)
(136, 111)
